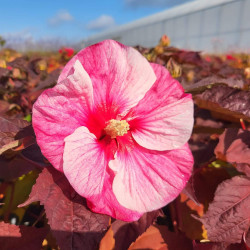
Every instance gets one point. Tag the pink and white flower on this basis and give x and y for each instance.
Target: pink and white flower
(117, 127)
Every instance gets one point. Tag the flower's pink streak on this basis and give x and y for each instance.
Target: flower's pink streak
(140, 169)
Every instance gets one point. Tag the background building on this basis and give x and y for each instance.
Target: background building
(209, 25)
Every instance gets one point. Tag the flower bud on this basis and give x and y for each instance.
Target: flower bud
(174, 68)
(164, 41)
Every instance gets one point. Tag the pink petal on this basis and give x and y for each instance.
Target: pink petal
(121, 76)
(106, 203)
(85, 162)
(147, 180)
(59, 111)
(163, 119)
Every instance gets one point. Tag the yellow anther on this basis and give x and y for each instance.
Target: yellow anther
(116, 128)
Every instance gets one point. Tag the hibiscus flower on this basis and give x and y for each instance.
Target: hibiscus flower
(117, 127)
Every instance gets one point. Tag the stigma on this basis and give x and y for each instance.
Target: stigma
(116, 128)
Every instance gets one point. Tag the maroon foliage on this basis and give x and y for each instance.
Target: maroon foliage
(9, 128)
(226, 100)
(15, 167)
(72, 224)
(49, 81)
(4, 73)
(209, 81)
(176, 240)
(219, 246)
(234, 146)
(21, 237)
(12, 125)
(17, 135)
(7, 141)
(201, 142)
(20, 63)
(190, 57)
(4, 106)
(204, 182)
(202, 149)
(228, 218)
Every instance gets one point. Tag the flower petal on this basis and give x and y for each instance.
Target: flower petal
(106, 203)
(85, 162)
(163, 119)
(121, 76)
(60, 110)
(147, 180)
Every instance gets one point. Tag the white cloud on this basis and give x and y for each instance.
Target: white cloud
(60, 17)
(155, 3)
(101, 23)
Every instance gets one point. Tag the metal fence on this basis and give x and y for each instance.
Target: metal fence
(210, 25)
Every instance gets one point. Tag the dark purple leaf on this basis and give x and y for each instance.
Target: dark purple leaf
(20, 63)
(34, 68)
(234, 146)
(18, 134)
(32, 151)
(205, 180)
(15, 167)
(15, 134)
(182, 209)
(228, 71)
(4, 73)
(189, 57)
(4, 106)
(230, 103)
(50, 80)
(201, 143)
(72, 223)
(202, 150)
(13, 163)
(6, 138)
(34, 155)
(175, 240)
(21, 237)
(218, 246)
(208, 82)
(12, 124)
(228, 217)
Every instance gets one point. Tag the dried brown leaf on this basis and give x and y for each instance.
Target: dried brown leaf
(108, 241)
(127, 232)
(160, 238)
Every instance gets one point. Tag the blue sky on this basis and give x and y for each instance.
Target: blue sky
(71, 20)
